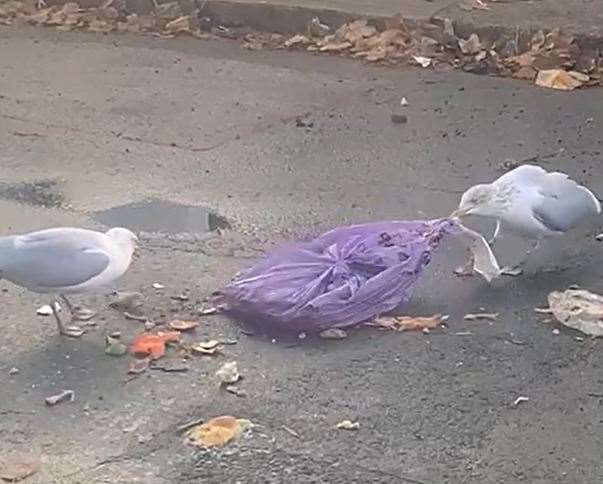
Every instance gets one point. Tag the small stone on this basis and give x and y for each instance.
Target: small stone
(556, 332)
(398, 118)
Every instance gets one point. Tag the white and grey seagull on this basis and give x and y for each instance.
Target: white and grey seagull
(530, 202)
(63, 261)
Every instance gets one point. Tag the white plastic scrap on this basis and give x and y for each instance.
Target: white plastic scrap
(578, 309)
(422, 61)
(484, 261)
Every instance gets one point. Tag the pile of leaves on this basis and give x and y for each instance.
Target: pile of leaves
(551, 60)
(167, 21)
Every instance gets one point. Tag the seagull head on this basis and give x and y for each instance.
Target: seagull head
(124, 238)
(478, 200)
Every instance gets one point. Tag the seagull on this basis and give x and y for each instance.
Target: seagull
(530, 202)
(66, 260)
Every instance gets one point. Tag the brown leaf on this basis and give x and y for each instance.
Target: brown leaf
(525, 59)
(211, 347)
(526, 73)
(578, 309)
(558, 79)
(40, 17)
(297, 40)
(218, 431)
(100, 26)
(182, 325)
(406, 323)
(335, 46)
(17, 467)
(139, 366)
(179, 25)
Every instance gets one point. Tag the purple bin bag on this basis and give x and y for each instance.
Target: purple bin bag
(345, 277)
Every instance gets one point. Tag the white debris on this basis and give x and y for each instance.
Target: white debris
(46, 310)
(422, 61)
(404, 102)
(518, 400)
(157, 285)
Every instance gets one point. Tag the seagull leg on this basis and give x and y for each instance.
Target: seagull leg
(77, 314)
(517, 270)
(495, 234)
(72, 331)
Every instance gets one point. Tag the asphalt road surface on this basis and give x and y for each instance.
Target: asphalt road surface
(273, 145)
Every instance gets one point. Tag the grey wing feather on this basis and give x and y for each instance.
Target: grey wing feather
(564, 202)
(51, 259)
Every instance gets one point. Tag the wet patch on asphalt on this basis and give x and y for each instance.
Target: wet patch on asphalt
(41, 193)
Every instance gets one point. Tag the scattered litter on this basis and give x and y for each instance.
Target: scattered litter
(170, 366)
(13, 371)
(398, 118)
(149, 325)
(406, 323)
(422, 60)
(348, 425)
(297, 40)
(478, 316)
(138, 366)
(560, 79)
(65, 395)
(179, 297)
(182, 325)
(236, 391)
(228, 373)
(556, 332)
(218, 431)
(208, 311)
(518, 400)
(302, 335)
(463, 333)
(579, 338)
(135, 317)
(16, 467)
(129, 302)
(543, 310)
(291, 431)
(578, 309)
(211, 347)
(599, 238)
(114, 347)
(317, 29)
(471, 46)
(404, 102)
(153, 345)
(156, 285)
(333, 333)
(46, 310)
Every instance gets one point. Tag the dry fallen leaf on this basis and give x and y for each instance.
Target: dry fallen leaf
(422, 61)
(138, 366)
(335, 46)
(153, 345)
(578, 309)
(526, 73)
(179, 25)
(211, 347)
(218, 431)
(15, 468)
(348, 425)
(478, 316)
(406, 323)
(559, 79)
(182, 325)
(297, 40)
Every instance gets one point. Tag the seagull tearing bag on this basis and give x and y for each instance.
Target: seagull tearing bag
(346, 276)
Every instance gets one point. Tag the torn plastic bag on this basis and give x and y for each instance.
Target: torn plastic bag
(344, 277)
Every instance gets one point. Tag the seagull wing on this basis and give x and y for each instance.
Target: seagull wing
(556, 201)
(54, 258)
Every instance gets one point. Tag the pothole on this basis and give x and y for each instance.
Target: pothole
(163, 217)
(42, 193)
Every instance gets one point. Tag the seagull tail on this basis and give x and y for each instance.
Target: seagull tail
(596, 202)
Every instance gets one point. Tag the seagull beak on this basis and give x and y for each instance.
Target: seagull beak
(459, 212)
